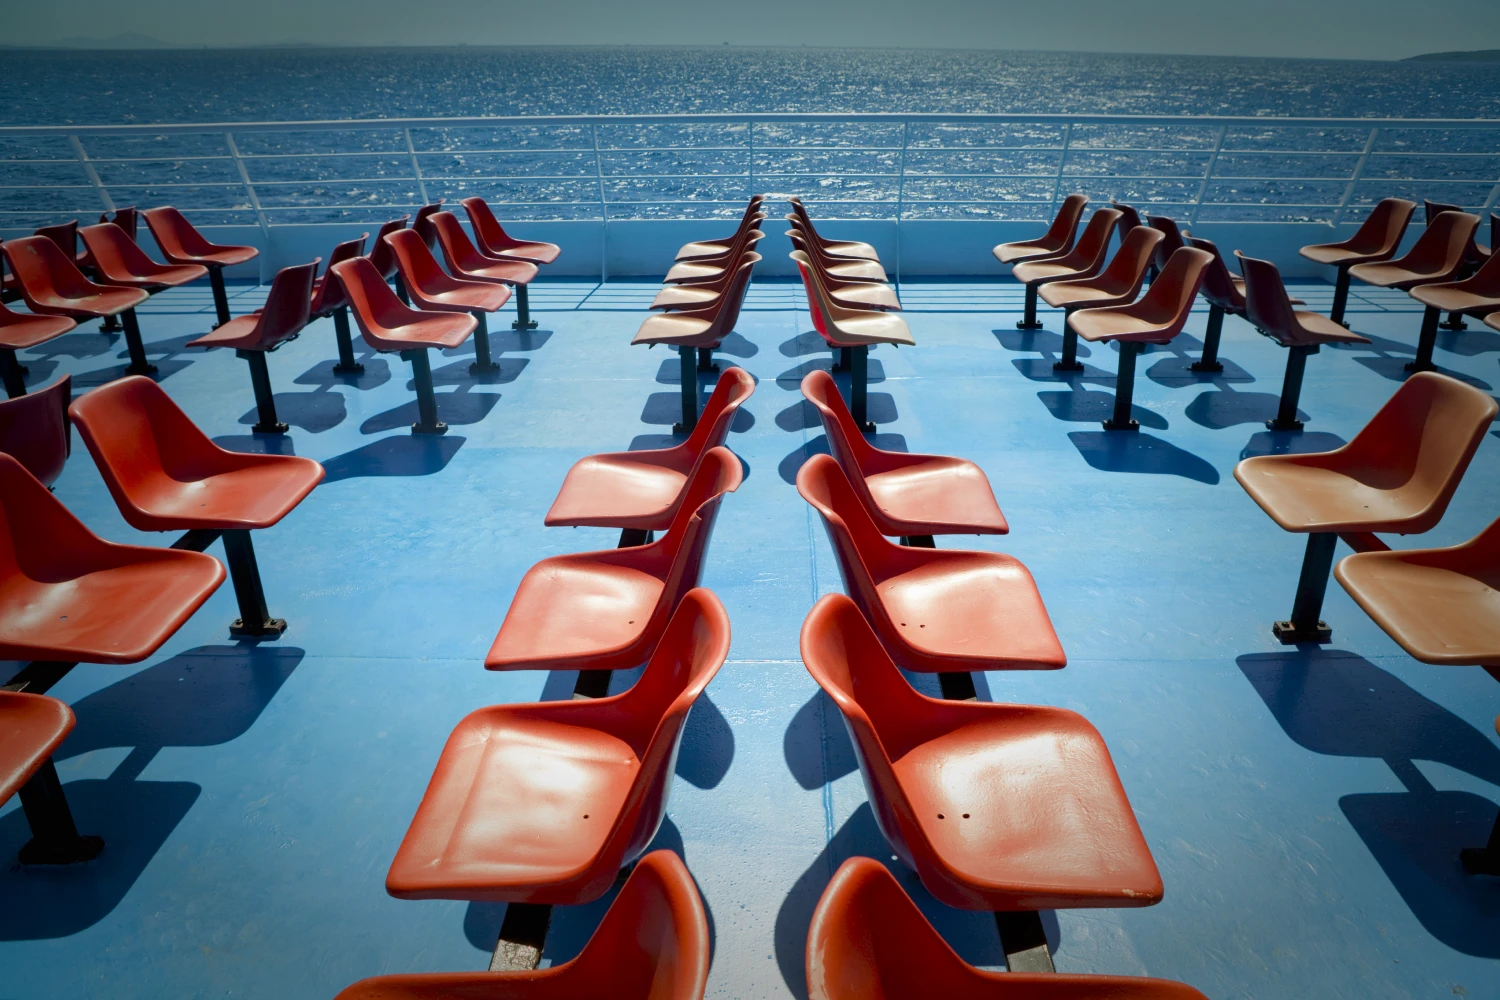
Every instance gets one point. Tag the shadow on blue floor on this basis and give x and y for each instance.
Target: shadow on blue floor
(816, 744)
(1336, 703)
(458, 373)
(804, 344)
(707, 745)
(314, 412)
(1290, 443)
(397, 455)
(1041, 370)
(1037, 341)
(454, 408)
(736, 346)
(509, 340)
(1126, 451)
(880, 408)
(792, 377)
(76, 345)
(789, 465)
(1226, 408)
(100, 376)
(1395, 370)
(377, 373)
(1086, 406)
(1175, 372)
(1477, 339)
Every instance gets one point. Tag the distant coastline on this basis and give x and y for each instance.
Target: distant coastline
(1478, 55)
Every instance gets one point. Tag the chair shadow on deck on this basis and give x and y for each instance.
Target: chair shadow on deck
(880, 408)
(791, 379)
(1044, 342)
(1225, 407)
(1087, 406)
(1120, 451)
(397, 455)
(1041, 370)
(1336, 703)
(1175, 372)
(803, 344)
(377, 373)
(789, 465)
(315, 412)
(454, 408)
(1290, 443)
(206, 696)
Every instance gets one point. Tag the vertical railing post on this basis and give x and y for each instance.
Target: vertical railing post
(901, 196)
(416, 167)
(1062, 161)
(1354, 179)
(751, 194)
(603, 209)
(260, 216)
(1213, 161)
(93, 175)
(1490, 202)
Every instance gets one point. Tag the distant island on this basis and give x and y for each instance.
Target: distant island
(1481, 55)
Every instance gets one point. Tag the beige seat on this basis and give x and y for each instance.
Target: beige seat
(1085, 260)
(1057, 240)
(854, 294)
(1476, 295)
(1117, 285)
(1436, 256)
(708, 270)
(834, 248)
(1377, 239)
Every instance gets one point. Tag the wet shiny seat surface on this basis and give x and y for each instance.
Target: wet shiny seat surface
(31, 727)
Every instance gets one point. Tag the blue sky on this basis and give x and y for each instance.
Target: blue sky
(1381, 29)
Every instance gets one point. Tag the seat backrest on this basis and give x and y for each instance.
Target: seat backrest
(1442, 246)
(1173, 241)
(125, 218)
(717, 473)
(1432, 209)
(1089, 253)
(328, 295)
(422, 224)
(735, 385)
(1218, 284)
(1170, 297)
(458, 250)
(1267, 305)
(1125, 273)
(380, 251)
(1485, 282)
(375, 306)
(40, 539)
(176, 236)
(845, 441)
(419, 268)
(1065, 223)
(652, 942)
(34, 429)
(1129, 218)
(857, 541)
(64, 235)
(1383, 228)
(114, 253)
(1422, 440)
(44, 271)
(804, 268)
(288, 306)
(487, 229)
(734, 296)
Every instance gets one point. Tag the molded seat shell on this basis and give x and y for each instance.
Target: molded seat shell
(118, 260)
(705, 326)
(466, 260)
(68, 595)
(937, 610)
(868, 939)
(545, 802)
(842, 327)
(1398, 473)
(1441, 605)
(653, 944)
(52, 285)
(1436, 256)
(1117, 285)
(34, 430)
(64, 236)
(710, 270)
(905, 494)
(997, 807)
(851, 294)
(606, 610)
(495, 241)
(1056, 241)
(286, 312)
(387, 323)
(328, 293)
(1159, 315)
(850, 249)
(181, 243)
(1084, 260)
(1377, 238)
(1477, 295)
(643, 489)
(166, 475)
(1269, 310)
(422, 225)
(712, 248)
(31, 727)
(21, 331)
(381, 255)
(683, 298)
(430, 287)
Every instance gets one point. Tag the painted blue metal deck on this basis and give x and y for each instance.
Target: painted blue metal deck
(1305, 807)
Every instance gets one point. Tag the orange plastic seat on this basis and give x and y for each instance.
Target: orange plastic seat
(1174, 239)
(707, 294)
(118, 260)
(1476, 295)
(545, 802)
(67, 595)
(467, 261)
(1397, 475)
(1377, 239)
(31, 728)
(253, 336)
(996, 807)
(1437, 255)
(328, 300)
(937, 610)
(431, 288)
(852, 293)
(64, 236)
(494, 240)
(713, 248)
(695, 333)
(384, 258)
(22, 331)
(126, 218)
(1084, 260)
(1117, 285)
(641, 491)
(653, 944)
(1159, 316)
(182, 244)
(845, 249)
(1269, 310)
(34, 430)
(1493, 321)
(911, 496)
(388, 325)
(422, 225)
(707, 270)
(606, 610)
(52, 285)
(1057, 240)
(868, 939)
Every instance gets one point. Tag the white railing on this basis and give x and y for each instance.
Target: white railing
(870, 166)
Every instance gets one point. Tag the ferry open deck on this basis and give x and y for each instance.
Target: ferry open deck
(1306, 805)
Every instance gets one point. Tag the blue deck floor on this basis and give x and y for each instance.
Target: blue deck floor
(1305, 806)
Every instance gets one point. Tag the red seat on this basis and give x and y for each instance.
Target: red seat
(545, 802)
(126, 218)
(996, 807)
(1476, 295)
(606, 610)
(1377, 239)
(641, 491)
(52, 285)
(387, 325)
(653, 944)
(67, 595)
(328, 300)
(384, 258)
(118, 260)
(31, 728)
(422, 224)
(712, 248)
(868, 939)
(65, 236)
(181, 243)
(1438, 255)
(845, 249)
(912, 496)
(1156, 318)
(34, 430)
(494, 240)
(937, 610)
(1493, 321)
(284, 315)
(466, 261)
(852, 293)
(1269, 310)
(431, 288)
(1085, 260)
(1117, 285)
(1057, 241)
(19, 332)
(1174, 239)
(1225, 293)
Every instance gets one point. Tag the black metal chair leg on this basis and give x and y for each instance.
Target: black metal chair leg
(1455, 321)
(54, 837)
(1291, 389)
(1028, 320)
(1340, 297)
(265, 400)
(1483, 860)
(523, 310)
(254, 621)
(138, 363)
(347, 365)
(523, 935)
(1024, 941)
(421, 376)
(841, 362)
(706, 362)
(859, 387)
(482, 364)
(13, 374)
(1211, 336)
(401, 290)
(1305, 624)
(688, 373)
(1069, 362)
(221, 297)
(1426, 340)
(1125, 389)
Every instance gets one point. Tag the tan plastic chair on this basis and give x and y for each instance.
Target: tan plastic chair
(1057, 241)
(712, 248)
(1377, 239)
(846, 270)
(1085, 260)
(1477, 295)
(1437, 255)
(1118, 285)
(1397, 475)
(834, 248)
(707, 270)
(1159, 316)
(852, 293)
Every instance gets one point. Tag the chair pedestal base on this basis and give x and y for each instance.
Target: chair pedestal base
(1125, 389)
(706, 362)
(254, 621)
(55, 840)
(1340, 296)
(1425, 342)
(687, 370)
(346, 363)
(1028, 320)
(269, 628)
(265, 400)
(1289, 633)
(1455, 321)
(1305, 625)
(859, 387)
(523, 310)
(523, 934)
(138, 363)
(221, 298)
(1069, 362)
(1024, 941)
(1212, 333)
(13, 373)
(421, 376)
(482, 364)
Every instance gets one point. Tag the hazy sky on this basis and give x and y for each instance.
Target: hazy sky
(1378, 29)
